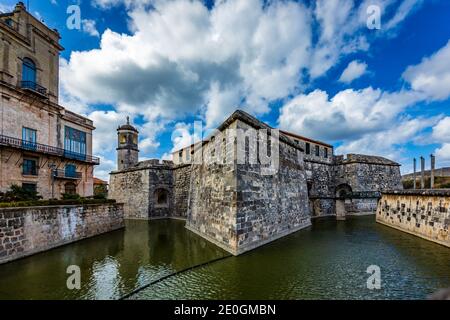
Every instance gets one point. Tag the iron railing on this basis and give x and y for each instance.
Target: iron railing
(66, 174)
(33, 86)
(46, 149)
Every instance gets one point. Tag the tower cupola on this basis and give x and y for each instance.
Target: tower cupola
(127, 146)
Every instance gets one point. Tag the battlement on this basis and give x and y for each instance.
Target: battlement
(362, 158)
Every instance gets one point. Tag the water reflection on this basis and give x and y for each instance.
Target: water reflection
(326, 261)
(111, 265)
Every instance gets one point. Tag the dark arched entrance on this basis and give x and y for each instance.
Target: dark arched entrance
(343, 195)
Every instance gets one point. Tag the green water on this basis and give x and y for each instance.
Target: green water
(326, 261)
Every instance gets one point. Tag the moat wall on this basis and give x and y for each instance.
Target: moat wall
(26, 231)
(424, 213)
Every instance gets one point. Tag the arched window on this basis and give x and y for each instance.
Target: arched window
(28, 71)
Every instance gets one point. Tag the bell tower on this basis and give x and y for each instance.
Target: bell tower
(127, 146)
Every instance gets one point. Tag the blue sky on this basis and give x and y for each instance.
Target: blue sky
(311, 67)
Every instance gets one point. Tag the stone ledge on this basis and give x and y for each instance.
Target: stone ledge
(419, 192)
(60, 206)
(53, 246)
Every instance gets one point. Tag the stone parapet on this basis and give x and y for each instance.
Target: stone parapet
(423, 213)
(29, 230)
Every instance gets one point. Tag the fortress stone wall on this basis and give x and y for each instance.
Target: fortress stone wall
(242, 205)
(29, 230)
(423, 213)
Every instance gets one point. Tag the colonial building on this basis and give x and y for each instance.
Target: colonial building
(43, 146)
(238, 203)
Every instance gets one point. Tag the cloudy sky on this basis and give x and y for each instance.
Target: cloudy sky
(322, 69)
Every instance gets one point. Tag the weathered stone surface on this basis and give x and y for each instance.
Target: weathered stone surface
(142, 188)
(239, 208)
(25, 231)
(422, 213)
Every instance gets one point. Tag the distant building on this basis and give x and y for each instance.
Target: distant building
(43, 146)
(100, 187)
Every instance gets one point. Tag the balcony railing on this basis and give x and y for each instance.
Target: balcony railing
(66, 174)
(46, 149)
(33, 86)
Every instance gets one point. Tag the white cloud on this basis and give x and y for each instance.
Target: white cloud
(432, 75)
(441, 135)
(89, 27)
(106, 166)
(441, 132)
(167, 156)
(105, 134)
(348, 115)
(405, 8)
(443, 153)
(183, 136)
(108, 4)
(183, 57)
(354, 70)
(5, 8)
(388, 142)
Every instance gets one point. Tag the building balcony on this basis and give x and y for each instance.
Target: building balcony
(46, 149)
(66, 174)
(33, 86)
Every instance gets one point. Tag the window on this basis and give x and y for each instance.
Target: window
(70, 188)
(70, 171)
(180, 156)
(29, 138)
(28, 72)
(308, 148)
(29, 167)
(317, 151)
(9, 22)
(75, 143)
(31, 187)
(325, 152)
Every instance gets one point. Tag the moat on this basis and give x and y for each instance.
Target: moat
(326, 261)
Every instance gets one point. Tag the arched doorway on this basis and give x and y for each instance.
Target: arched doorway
(343, 191)
(161, 198)
(343, 195)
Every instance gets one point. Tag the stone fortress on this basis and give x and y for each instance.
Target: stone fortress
(238, 205)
